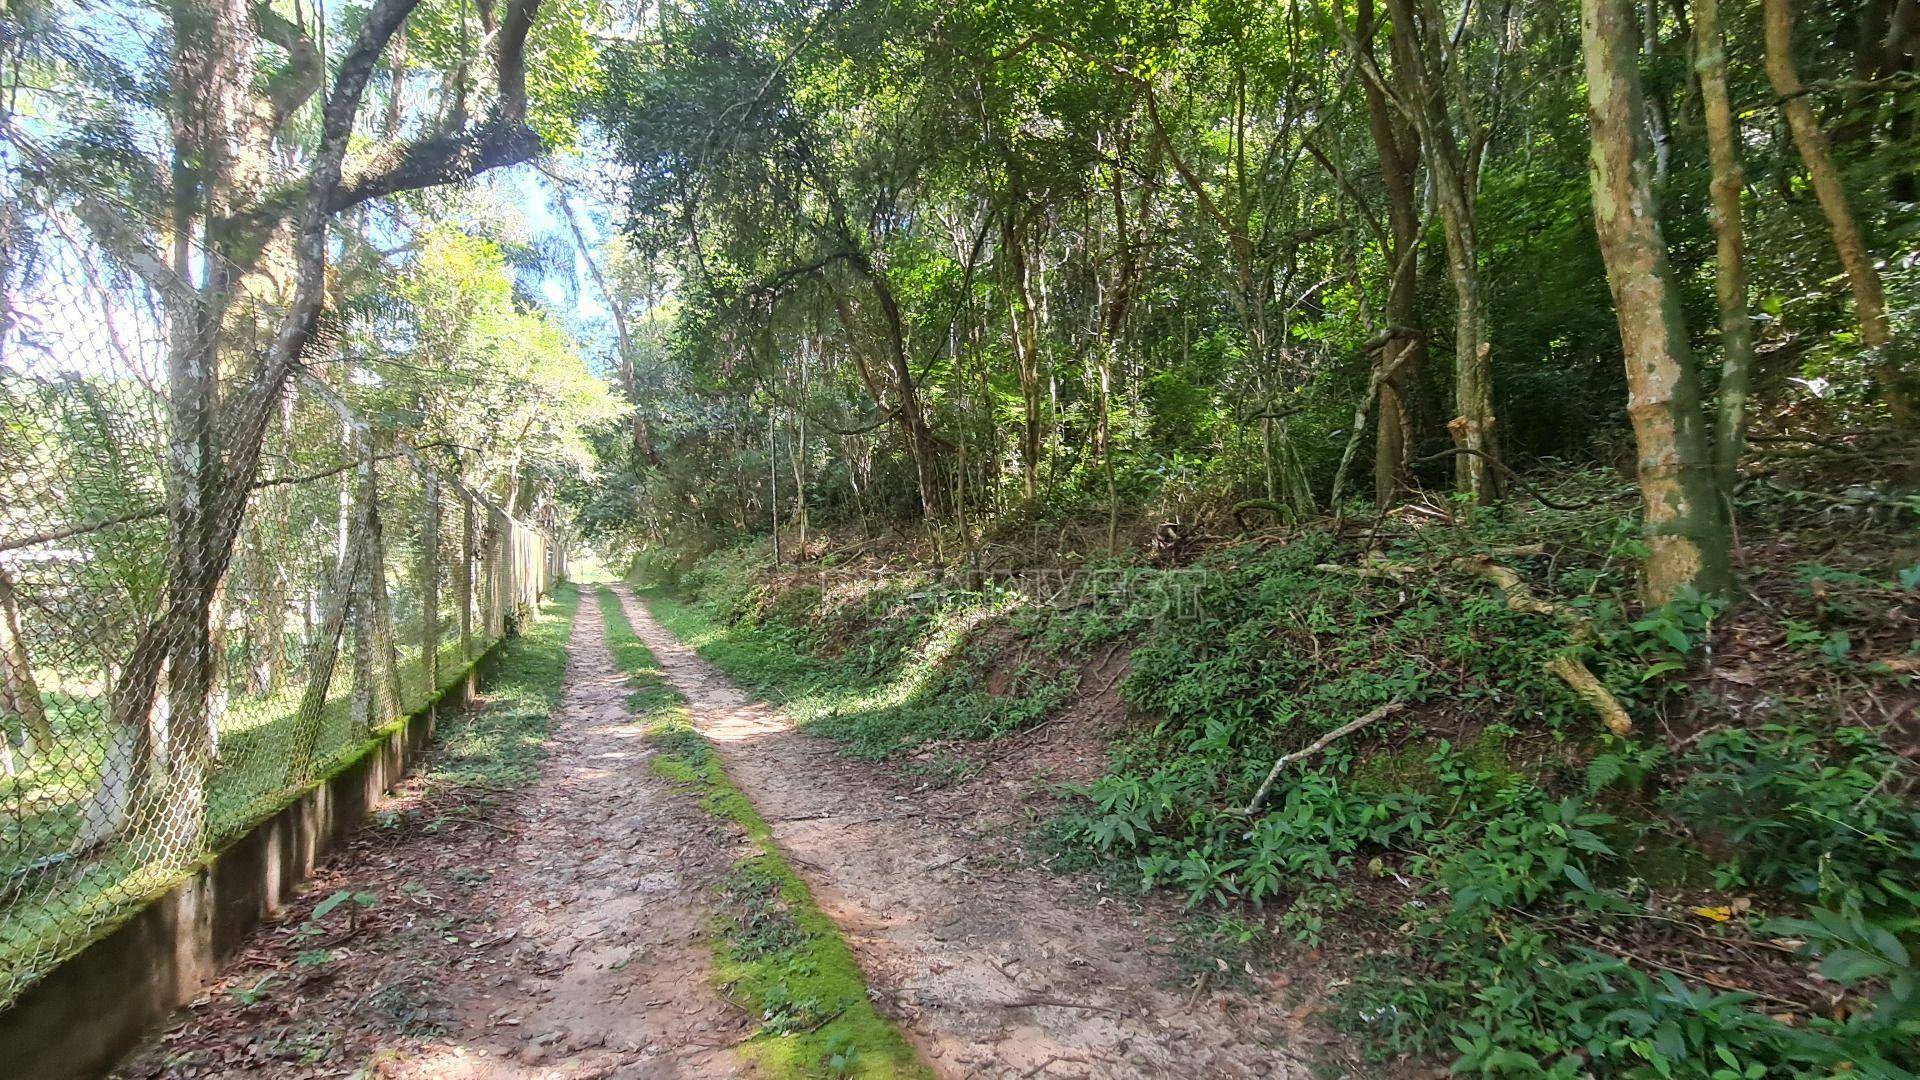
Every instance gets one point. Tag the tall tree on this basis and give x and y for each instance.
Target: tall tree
(616, 309)
(1432, 94)
(1730, 268)
(1687, 533)
(1396, 142)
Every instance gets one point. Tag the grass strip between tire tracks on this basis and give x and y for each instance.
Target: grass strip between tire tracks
(773, 949)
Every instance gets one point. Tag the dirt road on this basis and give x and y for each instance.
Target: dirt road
(559, 933)
(993, 969)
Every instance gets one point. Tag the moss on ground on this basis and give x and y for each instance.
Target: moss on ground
(773, 949)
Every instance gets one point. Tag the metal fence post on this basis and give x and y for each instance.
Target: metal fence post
(490, 577)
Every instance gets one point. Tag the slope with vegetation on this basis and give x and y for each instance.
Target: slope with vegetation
(1725, 885)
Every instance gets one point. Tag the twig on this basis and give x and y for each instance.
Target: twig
(1059, 1003)
(1318, 745)
(461, 818)
(1711, 980)
(943, 863)
(1199, 987)
(828, 1019)
(1515, 478)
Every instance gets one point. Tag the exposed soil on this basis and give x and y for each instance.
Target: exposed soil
(993, 967)
(555, 932)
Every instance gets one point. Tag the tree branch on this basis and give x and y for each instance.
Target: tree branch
(440, 159)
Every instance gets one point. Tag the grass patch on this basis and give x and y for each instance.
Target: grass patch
(912, 677)
(502, 744)
(773, 949)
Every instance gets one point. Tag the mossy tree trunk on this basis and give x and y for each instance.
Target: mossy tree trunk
(1686, 528)
(1429, 70)
(1730, 272)
(1397, 144)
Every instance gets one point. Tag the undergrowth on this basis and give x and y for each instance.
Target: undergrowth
(1726, 892)
(909, 679)
(773, 949)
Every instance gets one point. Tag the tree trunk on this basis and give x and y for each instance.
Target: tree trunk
(19, 693)
(323, 653)
(1901, 52)
(797, 452)
(1451, 166)
(1730, 275)
(1026, 349)
(430, 586)
(1869, 298)
(1686, 530)
(1397, 144)
(922, 444)
(1659, 115)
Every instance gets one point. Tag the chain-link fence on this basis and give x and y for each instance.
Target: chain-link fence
(212, 591)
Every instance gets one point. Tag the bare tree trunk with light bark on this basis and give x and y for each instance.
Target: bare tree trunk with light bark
(1026, 349)
(1686, 529)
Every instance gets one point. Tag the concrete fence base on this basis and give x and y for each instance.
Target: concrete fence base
(79, 1020)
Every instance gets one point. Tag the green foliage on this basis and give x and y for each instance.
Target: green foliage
(463, 363)
(904, 664)
(1805, 811)
(1500, 851)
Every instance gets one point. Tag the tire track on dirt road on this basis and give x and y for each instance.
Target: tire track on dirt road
(557, 932)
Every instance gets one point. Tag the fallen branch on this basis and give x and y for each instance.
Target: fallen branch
(1520, 598)
(1318, 745)
(1379, 571)
(828, 1019)
(1576, 675)
(1282, 514)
